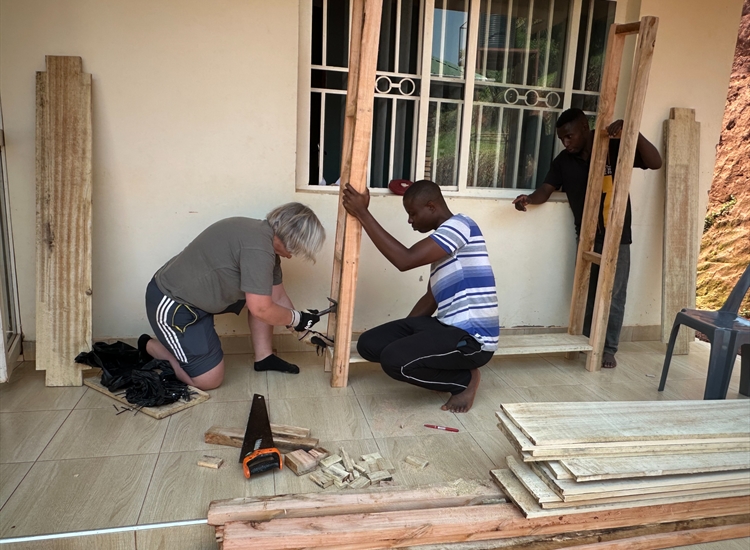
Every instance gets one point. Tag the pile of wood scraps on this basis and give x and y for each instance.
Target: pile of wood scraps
(340, 469)
(584, 457)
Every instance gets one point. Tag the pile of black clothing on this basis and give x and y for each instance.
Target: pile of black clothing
(147, 382)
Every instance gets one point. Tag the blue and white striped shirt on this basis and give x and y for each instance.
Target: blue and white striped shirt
(463, 283)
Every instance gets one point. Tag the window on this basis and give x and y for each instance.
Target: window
(467, 92)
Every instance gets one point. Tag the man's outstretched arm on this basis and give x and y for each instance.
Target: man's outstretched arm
(421, 253)
(540, 195)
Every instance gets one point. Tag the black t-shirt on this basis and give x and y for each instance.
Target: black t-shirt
(570, 173)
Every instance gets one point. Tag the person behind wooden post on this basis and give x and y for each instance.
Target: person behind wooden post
(569, 173)
(442, 352)
(233, 263)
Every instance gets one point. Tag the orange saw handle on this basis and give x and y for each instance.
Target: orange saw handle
(261, 460)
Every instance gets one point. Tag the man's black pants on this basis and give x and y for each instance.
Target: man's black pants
(424, 352)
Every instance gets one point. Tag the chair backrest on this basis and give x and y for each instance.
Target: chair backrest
(735, 298)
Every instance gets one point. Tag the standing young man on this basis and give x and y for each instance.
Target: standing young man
(441, 353)
(570, 172)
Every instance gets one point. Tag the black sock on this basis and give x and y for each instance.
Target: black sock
(276, 363)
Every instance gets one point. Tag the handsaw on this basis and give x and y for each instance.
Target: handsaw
(258, 452)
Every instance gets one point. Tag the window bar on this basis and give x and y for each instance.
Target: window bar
(391, 149)
(442, 39)
(551, 17)
(518, 148)
(470, 65)
(570, 57)
(321, 144)
(397, 50)
(325, 32)
(507, 41)
(527, 55)
(498, 146)
(537, 143)
(477, 145)
(457, 151)
(435, 140)
(585, 65)
(486, 43)
(423, 110)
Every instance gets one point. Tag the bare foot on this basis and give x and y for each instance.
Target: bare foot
(462, 402)
(608, 360)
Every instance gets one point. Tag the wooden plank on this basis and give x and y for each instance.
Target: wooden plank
(520, 344)
(531, 509)
(681, 222)
(459, 493)
(300, 462)
(208, 461)
(63, 219)
(593, 469)
(621, 184)
(441, 525)
(548, 424)
(590, 217)
(559, 470)
(360, 155)
(355, 43)
(233, 437)
(154, 412)
(670, 540)
(571, 491)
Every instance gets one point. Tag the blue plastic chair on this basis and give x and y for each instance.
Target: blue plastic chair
(727, 332)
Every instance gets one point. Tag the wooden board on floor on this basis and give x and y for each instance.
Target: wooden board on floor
(593, 469)
(284, 442)
(521, 344)
(63, 219)
(199, 397)
(517, 493)
(530, 452)
(548, 424)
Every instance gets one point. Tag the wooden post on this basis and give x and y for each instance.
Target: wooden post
(63, 216)
(681, 222)
(360, 117)
(621, 184)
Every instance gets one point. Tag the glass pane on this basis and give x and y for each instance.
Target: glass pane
(558, 44)
(441, 159)
(387, 46)
(604, 16)
(332, 80)
(316, 49)
(314, 171)
(405, 137)
(381, 143)
(408, 52)
(449, 33)
(519, 29)
(335, 107)
(337, 33)
(492, 40)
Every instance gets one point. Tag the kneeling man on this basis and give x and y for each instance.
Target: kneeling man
(444, 352)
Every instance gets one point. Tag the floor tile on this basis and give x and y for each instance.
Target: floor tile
(311, 381)
(369, 378)
(406, 411)
(456, 456)
(492, 393)
(495, 445)
(287, 482)
(10, 477)
(187, 428)
(72, 495)
(241, 381)
(328, 418)
(528, 370)
(187, 537)
(181, 490)
(89, 433)
(26, 434)
(109, 541)
(26, 392)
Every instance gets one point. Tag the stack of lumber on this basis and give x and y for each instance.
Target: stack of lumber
(584, 457)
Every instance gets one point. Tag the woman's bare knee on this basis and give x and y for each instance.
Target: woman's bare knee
(210, 380)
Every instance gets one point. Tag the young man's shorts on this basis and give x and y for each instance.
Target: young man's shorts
(186, 331)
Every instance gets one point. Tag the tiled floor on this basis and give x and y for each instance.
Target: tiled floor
(68, 463)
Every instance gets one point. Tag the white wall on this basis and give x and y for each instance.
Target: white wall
(195, 120)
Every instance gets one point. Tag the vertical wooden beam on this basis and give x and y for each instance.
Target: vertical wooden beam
(360, 154)
(63, 236)
(621, 184)
(590, 218)
(355, 43)
(681, 222)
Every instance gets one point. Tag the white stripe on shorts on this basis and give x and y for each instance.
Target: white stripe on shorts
(162, 316)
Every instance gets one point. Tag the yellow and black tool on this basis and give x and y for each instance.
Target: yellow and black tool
(258, 451)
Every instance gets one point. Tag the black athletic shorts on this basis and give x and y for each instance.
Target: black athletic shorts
(186, 331)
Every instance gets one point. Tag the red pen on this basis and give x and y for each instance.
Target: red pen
(434, 427)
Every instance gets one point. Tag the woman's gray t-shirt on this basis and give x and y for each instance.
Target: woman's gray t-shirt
(228, 259)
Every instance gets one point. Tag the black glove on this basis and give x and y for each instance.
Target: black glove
(307, 320)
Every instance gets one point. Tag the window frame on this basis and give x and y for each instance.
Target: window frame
(426, 24)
